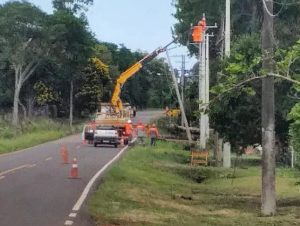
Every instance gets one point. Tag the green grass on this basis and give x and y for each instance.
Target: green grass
(156, 186)
(34, 133)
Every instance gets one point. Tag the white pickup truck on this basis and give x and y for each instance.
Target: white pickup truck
(106, 135)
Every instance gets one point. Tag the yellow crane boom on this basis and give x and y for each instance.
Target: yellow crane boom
(116, 100)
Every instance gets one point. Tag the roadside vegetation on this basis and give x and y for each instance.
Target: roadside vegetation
(157, 186)
(33, 133)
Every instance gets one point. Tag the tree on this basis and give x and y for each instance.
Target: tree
(44, 93)
(24, 49)
(268, 114)
(73, 47)
(289, 67)
(94, 78)
(235, 113)
(73, 6)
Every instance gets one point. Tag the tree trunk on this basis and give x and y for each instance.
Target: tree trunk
(24, 111)
(21, 75)
(71, 104)
(15, 118)
(268, 196)
(30, 103)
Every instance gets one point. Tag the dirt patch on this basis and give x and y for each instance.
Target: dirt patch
(191, 209)
(195, 210)
(136, 216)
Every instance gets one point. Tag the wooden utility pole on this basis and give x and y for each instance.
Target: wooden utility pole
(268, 194)
(186, 124)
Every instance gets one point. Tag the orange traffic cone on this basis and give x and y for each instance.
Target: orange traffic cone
(74, 170)
(64, 154)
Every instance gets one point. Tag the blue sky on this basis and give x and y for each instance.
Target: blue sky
(138, 24)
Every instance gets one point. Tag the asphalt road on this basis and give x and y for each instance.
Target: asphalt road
(35, 188)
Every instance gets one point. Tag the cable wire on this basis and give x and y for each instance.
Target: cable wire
(287, 4)
(268, 11)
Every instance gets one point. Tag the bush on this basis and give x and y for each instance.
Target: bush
(6, 132)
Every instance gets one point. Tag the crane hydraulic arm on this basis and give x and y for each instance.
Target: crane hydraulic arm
(116, 100)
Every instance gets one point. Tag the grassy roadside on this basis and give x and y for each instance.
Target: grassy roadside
(157, 187)
(37, 132)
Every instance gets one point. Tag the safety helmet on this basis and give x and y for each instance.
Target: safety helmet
(129, 121)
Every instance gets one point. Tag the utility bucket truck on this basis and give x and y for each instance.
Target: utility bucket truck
(115, 114)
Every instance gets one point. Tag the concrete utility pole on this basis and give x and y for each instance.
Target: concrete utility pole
(207, 84)
(187, 128)
(202, 91)
(204, 85)
(268, 193)
(227, 155)
(227, 146)
(227, 29)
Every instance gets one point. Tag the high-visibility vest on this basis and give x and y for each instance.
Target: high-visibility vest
(153, 132)
(140, 130)
(128, 129)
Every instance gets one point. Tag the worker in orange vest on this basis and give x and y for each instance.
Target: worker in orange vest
(128, 129)
(153, 134)
(140, 131)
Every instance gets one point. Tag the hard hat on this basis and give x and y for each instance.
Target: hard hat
(129, 121)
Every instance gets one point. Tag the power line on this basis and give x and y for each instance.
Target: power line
(286, 3)
(268, 11)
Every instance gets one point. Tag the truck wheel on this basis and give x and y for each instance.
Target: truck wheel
(116, 145)
(95, 144)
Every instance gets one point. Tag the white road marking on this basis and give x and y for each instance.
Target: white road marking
(17, 168)
(73, 215)
(31, 166)
(92, 181)
(48, 159)
(69, 222)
